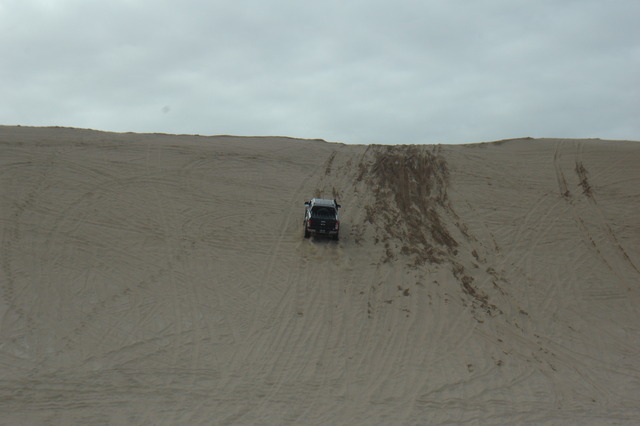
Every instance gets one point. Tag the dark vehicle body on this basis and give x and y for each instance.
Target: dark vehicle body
(321, 218)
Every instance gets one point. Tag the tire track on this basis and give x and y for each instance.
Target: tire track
(562, 181)
(181, 291)
(588, 191)
(12, 233)
(535, 225)
(276, 308)
(586, 205)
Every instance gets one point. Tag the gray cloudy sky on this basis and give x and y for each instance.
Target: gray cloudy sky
(366, 71)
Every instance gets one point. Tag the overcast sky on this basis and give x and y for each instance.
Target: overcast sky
(367, 71)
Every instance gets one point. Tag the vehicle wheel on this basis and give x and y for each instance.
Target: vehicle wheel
(306, 233)
(336, 237)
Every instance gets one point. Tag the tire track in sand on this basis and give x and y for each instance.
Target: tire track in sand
(267, 314)
(584, 205)
(589, 192)
(12, 235)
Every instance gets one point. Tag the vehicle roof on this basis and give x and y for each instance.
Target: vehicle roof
(323, 202)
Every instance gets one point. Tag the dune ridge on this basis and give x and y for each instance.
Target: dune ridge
(164, 279)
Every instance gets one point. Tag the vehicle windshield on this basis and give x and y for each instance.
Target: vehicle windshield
(323, 212)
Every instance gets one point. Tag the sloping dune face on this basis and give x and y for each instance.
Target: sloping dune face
(159, 279)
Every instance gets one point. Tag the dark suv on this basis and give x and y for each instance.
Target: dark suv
(321, 218)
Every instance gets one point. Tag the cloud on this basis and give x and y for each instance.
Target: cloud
(359, 72)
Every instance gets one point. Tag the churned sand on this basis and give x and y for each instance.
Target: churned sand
(163, 279)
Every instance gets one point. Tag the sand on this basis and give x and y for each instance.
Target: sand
(164, 279)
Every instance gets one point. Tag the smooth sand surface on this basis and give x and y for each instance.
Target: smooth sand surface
(163, 279)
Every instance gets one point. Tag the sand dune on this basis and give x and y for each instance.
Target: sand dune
(162, 279)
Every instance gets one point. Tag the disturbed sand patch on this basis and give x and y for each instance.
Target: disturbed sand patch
(409, 184)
